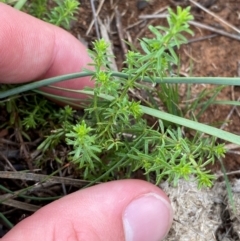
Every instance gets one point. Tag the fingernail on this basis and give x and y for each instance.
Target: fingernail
(147, 218)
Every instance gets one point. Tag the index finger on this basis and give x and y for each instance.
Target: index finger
(31, 49)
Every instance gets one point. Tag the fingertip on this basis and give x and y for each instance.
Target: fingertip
(119, 210)
(26, 48)
(35, 50)
(148, 217)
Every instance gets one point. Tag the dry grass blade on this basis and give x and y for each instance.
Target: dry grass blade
(215, 16)
(197, 24)
(41, 178)
(228, 118)
(150, 23)
(95, 15)
(201, 38)
(229, 173)
(120, 31)
(19, 205)
(6, 199)
(141, 21)
(215, 30)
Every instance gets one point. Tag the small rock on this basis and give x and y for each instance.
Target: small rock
(141, 4)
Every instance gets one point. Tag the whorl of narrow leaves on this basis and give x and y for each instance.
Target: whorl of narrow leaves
(112, 136)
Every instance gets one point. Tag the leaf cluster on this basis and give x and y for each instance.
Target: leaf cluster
(171, 155)
(31, 112)
(113, 137)
(114, 131)
(159, 55)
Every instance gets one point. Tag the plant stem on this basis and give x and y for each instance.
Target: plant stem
(169, 80)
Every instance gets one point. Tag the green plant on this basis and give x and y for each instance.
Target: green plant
(159, 55)
(113, 136)
(60, 14)
(112, 128)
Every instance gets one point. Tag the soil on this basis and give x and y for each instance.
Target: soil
(206, 54)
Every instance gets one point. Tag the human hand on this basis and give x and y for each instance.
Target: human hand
(130, 210)
(32, 49)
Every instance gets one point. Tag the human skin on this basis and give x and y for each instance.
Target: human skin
(32, 50)
(130, 210)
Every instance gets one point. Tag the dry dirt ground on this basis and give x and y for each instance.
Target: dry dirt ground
(206, 214)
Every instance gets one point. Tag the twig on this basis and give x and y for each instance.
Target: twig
(234, 152)
(201, 38)
(95, 16)
(194, 23)
(143, 30)
(228, 173)
(5, 158)
(134, 24)
(141, 21)
(120, 31)
(61, 176)
(191, 57)
(228, 117)
(222, 32)
(231, 146)
(41, 178)
(151, 22)
(21, 205)
(7, 200)
(95, 19)
(105, 36)
(232, 110)
(8, 142)
(215, 16)
(23, 147)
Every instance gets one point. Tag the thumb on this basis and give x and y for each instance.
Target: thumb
(130, 210)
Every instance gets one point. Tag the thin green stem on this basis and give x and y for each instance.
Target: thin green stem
(7, 222)
(170, 80)
(119, 163)
(224, 135)
(28, 197)
(193, 125)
